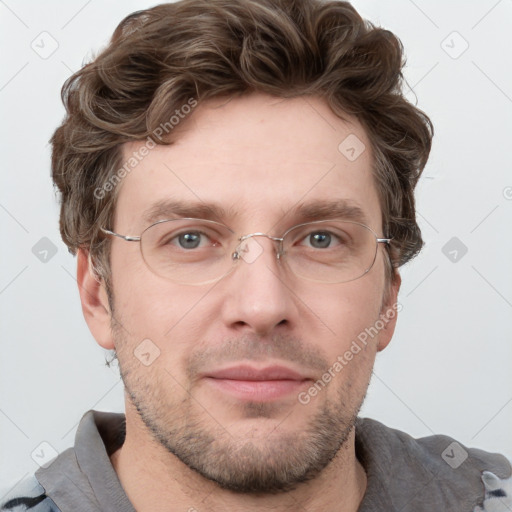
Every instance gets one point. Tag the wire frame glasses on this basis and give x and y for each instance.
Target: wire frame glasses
(199, 251)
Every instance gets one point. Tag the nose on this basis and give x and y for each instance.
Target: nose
(258, 294)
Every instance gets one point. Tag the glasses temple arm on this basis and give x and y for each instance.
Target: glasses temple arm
(124, 237)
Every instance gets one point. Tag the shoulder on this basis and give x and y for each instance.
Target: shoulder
(436, 469)
(28, 495)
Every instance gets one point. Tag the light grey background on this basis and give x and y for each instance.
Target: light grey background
(448, 368)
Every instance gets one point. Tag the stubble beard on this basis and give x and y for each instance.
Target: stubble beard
(248, 464)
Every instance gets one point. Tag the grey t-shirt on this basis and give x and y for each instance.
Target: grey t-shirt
(404, 474)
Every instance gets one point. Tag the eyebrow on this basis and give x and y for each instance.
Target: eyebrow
(342, 209)
(337, 209)
(169, 209)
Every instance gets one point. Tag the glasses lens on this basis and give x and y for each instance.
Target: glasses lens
(330, 251)
(188, 251)
(195, 251)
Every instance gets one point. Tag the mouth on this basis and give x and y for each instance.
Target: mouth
(266, 384)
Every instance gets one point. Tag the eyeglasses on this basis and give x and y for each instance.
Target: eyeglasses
(199, 251)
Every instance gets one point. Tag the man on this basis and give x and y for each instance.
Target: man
(237, 182)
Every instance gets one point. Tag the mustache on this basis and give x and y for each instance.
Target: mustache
(251, 347)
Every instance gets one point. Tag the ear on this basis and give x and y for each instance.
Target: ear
(93, 296)
(389, 312)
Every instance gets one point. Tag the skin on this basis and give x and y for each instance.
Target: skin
(261, 155)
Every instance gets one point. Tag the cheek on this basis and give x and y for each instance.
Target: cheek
(151, 308)
(142, 300)
(148, 312)
(172, 317)
(345, 311)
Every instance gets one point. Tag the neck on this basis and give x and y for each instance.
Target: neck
(157, 481)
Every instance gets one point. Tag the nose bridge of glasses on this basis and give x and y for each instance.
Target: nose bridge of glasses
(245, 237)
(248, 249)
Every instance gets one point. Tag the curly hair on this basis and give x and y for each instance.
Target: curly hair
(161, 57)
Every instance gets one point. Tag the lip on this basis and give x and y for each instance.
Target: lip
(246, 382)
(249, 373)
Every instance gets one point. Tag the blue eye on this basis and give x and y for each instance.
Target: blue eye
(189, 240)
(324, 239)
(321, 238)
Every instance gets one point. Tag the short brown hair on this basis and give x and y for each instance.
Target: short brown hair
(161, 57)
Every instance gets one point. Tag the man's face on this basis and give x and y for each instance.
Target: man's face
(261, 157)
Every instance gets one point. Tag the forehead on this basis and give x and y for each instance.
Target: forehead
(255, 160)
